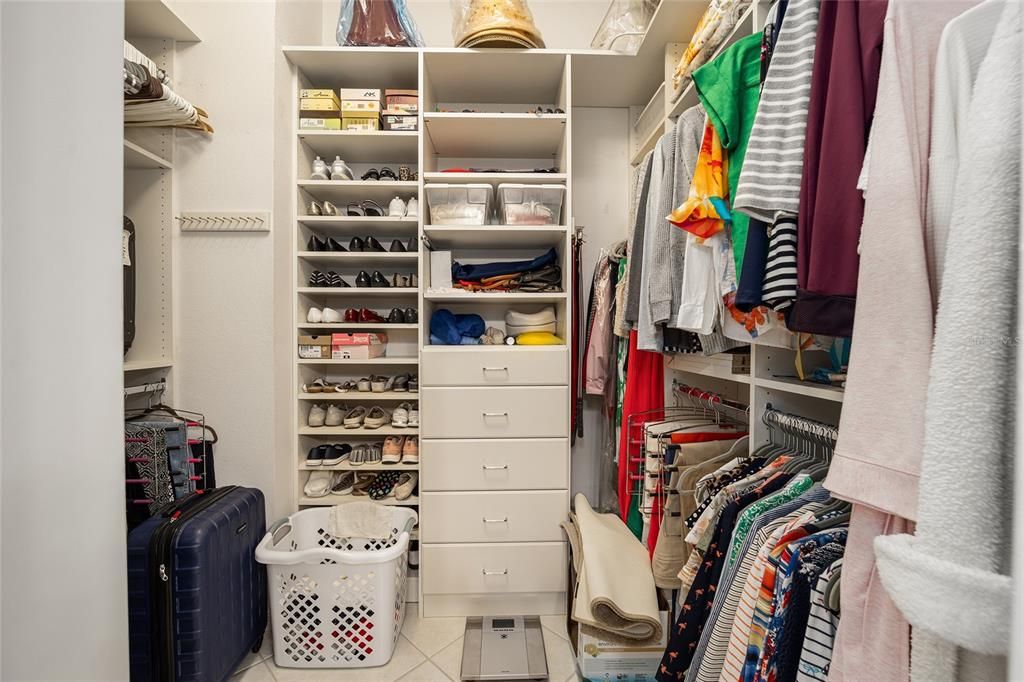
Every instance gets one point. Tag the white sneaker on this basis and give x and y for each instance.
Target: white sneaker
(340, 170)
(314, 316)
(331, 315)
(320, 170)
(396, 209)
(318, 484)
(400, 417)
(414, 416)
(413, 209)
(334, 416)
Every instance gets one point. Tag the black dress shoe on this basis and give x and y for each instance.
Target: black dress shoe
(378, 280)
(356, 244)
(334, 245)
(316, 244)
(317, 279)
(363, 279)
(373, 245)
(411, 246)
(396, 316)
(412, 315)
(397, 246)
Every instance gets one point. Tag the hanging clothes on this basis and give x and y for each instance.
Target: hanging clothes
(634, 255)
(659, 203)
(842, 98)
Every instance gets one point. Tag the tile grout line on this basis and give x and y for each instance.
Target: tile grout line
(426, 658)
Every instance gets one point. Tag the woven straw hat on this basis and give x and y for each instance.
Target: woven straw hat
(499, 23)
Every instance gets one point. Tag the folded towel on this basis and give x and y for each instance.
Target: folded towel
(618, 598)
(360, 520)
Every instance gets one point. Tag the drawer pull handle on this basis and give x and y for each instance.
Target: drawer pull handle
(504, 520)
(486, 572)
(495, 467)
(495, 369)
(495, 414)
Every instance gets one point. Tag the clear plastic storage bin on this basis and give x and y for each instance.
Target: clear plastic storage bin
(530, 204)
(460, 204)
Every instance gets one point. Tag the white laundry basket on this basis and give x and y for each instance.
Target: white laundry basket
(335, 602)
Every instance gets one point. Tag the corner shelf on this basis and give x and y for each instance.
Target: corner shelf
(155, 19)
(806, 388)
(147, 365)
(137, 158)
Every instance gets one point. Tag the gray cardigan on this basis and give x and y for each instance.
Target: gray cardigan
(689, 132)
(634, 255)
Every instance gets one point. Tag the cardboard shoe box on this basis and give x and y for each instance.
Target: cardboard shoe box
(359, 346)
(364, 94)
(320, 93)
(394, 120)
(315, 347)
(317, 104)
(320, 124)
(360, 108)
(406, 101)
(349, 123)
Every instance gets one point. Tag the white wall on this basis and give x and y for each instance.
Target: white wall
(62, 519)
(562, 23)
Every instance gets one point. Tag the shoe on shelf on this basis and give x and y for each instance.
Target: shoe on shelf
(412, 209)
(363, 385)
(493, 337)
(320, 170)
(334, 416)
(316, 244)
(401, 383)
(371, 174)
(400, 417)
(340, 170)
(398, 280)
(333, 279)
(315, 208)
(412, 280)
(315, 316)
(356, 244)
(371, 209)
(315, 457)
(317, 279)
(414, 384)
(358, 455)
(351, 315)
(377, 383)
(406, 485)
(335, 246)
(396, 316)
(374, 453)
(411, 450)
(363, 279)
(412, 316)
(373, 245)
(336, 453)
(379, 280)
(367, 315)
(392, 450)
(376, 418)
(342, 482)
(411, 246)
(332, 316)
(320, 385)
(397, 246)
(396, 209)
(354, 418)
(363, 483)
(384, 486)
(317, 415)
(331, 209)
(387, 174)
(318, 484)
(414, 417)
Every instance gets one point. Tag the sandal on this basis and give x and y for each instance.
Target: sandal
(354, 209)
(371, 174)
(316, 386)
(355, 417)
(371, 208)
(387, 174)
(363, 483)
(374, 419)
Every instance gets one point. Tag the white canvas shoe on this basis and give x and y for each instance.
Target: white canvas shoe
(396, 209)
(334, 416)
(314, 316)
(412, 209)
(331, 315)
(320, 170)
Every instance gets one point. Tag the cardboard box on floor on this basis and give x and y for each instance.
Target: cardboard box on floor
(600, 661)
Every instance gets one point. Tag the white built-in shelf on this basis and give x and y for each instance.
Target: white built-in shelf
(529, 78)
(335, 431)
(497, 178)
(348, 466)
(137, 158)
(333, 67)
(331, 500)
(155, 19)
(356, 291)
(488, 348)
(485, 135)
(360, 396)
(381, 147)
(344, 191)
(362, 222)
(495, 297)
(807, 388)
(372, 361)
(146, 365)
(383, 326)
(700, 365)
(648, 143)
(494, 236)
(359, 259)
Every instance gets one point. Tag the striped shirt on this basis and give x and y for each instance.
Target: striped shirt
(779, 288)
(816, 655)
(773, 165)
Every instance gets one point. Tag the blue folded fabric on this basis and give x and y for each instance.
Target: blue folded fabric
(450, 328)
(478, 271)
(466, 341)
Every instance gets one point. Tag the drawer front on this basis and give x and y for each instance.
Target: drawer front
(497, 568)
(514, 412)
(521, 464)
(524, 366)
(519, 516)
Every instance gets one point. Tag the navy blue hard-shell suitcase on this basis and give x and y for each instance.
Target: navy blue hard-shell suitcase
(197, 599)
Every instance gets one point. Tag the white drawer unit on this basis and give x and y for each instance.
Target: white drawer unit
(481, 464)
(494, 568)
(513, 412)
(520, 516)
(483, 366)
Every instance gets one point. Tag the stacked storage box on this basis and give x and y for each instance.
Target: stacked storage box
(319, 109)
(360, 108)
(401, 110)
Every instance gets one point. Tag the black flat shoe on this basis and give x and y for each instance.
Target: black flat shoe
(363, 279)
(371, 174)
(396, 316)
(411, 246)
(378, 280)
(317, 279)
(316, 244)
(386, 174)
(356, 244)
(335, 280)
(334, 245)
(411, 315)
(397, 246)
(373, 245)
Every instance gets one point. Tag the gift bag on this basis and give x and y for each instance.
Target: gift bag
(377, 23)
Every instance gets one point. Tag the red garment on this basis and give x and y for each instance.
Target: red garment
(645, 390)
(706, 437)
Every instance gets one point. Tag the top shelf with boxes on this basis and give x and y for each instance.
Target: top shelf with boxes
(362, 109)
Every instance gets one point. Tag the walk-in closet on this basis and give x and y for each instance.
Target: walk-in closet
(447, 340)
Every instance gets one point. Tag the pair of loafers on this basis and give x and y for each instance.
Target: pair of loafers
(377, 279)
(329, 279)
(330, 244)
(407, 316)
(328, 454)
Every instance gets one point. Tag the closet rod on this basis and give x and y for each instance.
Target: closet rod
(799, 426)
(155, 387)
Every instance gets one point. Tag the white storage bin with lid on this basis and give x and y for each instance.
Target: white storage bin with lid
(530, 204)
(460, 204)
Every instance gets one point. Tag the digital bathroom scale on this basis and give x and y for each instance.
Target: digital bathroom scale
(504, 648)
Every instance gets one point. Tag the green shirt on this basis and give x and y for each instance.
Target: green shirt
(794, 489)
(729, 87)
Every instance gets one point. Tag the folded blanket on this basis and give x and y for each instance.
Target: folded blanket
(360, 520)
(616, 597)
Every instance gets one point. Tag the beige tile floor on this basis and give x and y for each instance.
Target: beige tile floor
(429, 650)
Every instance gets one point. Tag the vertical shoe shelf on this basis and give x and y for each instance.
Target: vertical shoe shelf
(352, 68)
(495, 426)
